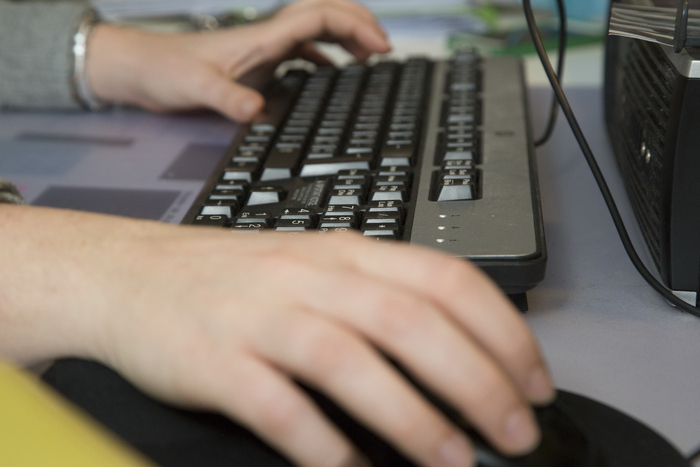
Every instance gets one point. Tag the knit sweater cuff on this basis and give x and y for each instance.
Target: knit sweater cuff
(36, 54)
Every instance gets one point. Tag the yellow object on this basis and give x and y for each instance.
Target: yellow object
(38, 428)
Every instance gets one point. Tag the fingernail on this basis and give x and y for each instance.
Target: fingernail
(540, 386)
(520, 430)
(456, 453)
(248, 109)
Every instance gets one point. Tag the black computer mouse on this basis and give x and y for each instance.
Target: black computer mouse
(566, 442)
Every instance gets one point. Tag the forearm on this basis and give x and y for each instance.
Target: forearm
(35, 53)
(50, 282)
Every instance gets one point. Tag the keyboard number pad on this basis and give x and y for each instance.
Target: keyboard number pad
(458, 147)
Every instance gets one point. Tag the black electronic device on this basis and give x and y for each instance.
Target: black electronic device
(577, 431)
(652, 110)
(435, 153)
(566, 441)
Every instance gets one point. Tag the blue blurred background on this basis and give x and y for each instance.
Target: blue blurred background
(579, 9)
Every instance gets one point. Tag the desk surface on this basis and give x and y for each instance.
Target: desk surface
(605, 332)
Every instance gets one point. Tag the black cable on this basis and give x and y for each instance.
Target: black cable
(554, 110)
(597, 174)
(694, 455)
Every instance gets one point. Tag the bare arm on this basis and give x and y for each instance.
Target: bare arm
(187, 315)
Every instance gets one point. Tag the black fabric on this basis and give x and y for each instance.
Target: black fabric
(169, 436)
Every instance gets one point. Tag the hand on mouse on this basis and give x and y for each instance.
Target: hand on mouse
(166, 72)
(205, 319)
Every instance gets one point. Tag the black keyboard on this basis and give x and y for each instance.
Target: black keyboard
(430, 152)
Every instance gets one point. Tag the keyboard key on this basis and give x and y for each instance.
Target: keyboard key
(348, 186)
(321, 167)
(359, 150)
(251, 149)
(266, 195)
(388, 209)
(264, 139)
(228, 196)
(458, 155)
(461, 135)
(394, 170)
(297, 130)
(230, 185)
(460, 118)
(293, 225)
(292, 139)
(378, 217)
(241, 171)
(252, 158)
(214, 221)
(389, 193)
(338, 221)
(391, 180)
(298, 213)
(324, 230)
(330, 131)
(460, 144)
(402, 126)
(385, 205)
(456, 190)
(458, 174)
(386, 231)
(252, 226)
(396, 161)
(402, 154)
(253, 217)
(465, 163)
(282, 162)
(346, 197)
(344, 210)
(218, 210)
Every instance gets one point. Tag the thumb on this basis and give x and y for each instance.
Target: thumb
(232, 99)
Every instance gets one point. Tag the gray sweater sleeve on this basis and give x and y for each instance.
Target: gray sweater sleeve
(35, 53)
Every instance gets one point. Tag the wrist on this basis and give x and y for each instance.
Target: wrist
(110, 68)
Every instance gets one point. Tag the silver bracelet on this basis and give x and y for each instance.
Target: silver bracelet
(9, 193)
(81, 87)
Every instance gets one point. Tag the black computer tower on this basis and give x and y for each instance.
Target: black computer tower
(652, 111)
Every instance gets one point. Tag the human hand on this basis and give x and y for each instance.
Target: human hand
(165, 72)
(203, 319)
